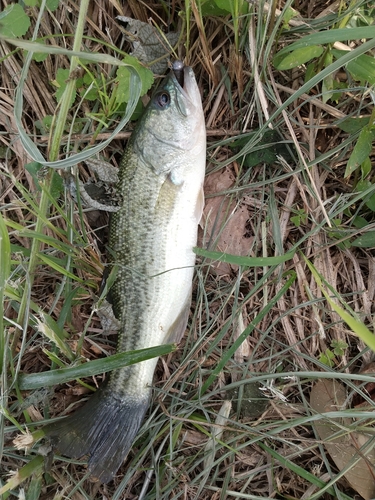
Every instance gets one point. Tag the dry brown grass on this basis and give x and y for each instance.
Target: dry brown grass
(248, 212)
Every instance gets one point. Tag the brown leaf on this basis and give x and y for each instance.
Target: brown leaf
(34, 413)
(224, 220)
(194, 438)
(329, 396)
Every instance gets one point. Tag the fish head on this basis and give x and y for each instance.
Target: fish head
(171, 131)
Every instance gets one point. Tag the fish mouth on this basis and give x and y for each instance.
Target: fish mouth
(178, 68)
(184, 80)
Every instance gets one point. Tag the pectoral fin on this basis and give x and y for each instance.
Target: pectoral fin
(167, 198)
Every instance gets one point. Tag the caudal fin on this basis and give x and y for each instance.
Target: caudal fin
(104, 428)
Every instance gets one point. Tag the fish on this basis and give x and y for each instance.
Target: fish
(151, 241)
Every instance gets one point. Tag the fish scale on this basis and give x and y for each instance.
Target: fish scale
(152, 236)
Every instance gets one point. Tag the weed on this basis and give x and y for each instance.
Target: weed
(287, 92)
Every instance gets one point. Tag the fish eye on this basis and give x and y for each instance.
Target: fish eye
(162, 99)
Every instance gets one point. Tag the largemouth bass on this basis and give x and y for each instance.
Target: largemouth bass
(152, 238)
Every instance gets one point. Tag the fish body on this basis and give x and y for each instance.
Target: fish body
(152, 237)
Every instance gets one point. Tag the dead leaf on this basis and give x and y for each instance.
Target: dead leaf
(194, 438)
(148, 44)
(34, 413)
(224, 220)
(348, 447)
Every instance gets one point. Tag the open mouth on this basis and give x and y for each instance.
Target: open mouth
(178, 70)
(184, 78)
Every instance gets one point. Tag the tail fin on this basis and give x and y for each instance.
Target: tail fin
(105, 428)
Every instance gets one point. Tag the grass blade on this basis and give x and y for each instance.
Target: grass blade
(359, 328)
(233, 348)
(301, 472)
(244, 261)
(60, 376)
(4, 275)
(34, 466)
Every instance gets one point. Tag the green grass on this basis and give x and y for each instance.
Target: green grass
(284, 258)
